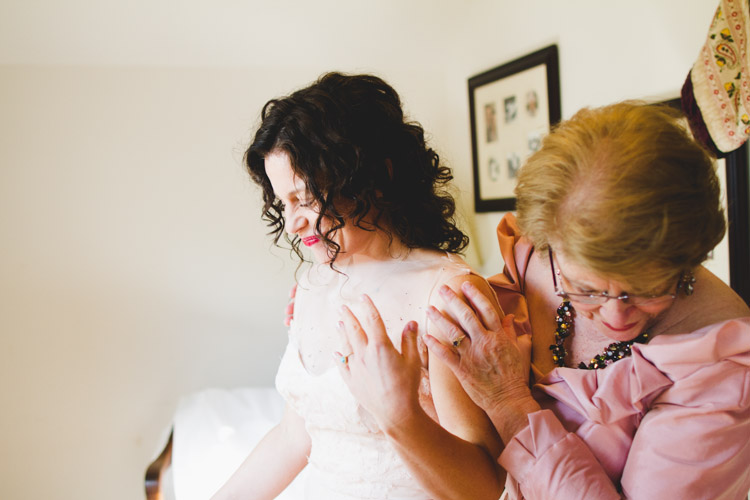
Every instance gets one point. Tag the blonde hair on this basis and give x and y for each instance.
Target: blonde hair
(625, 191)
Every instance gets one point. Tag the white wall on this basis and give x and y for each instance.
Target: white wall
(134, 266)
(130, 276)
(609, 51)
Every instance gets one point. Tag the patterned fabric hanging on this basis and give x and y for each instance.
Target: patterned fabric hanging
(716, 94)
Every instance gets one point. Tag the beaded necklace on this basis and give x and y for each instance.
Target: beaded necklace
(614, 351)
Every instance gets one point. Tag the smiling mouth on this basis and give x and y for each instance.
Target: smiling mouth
(310, 241)
(623, 329)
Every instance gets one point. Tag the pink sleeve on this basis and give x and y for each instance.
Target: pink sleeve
(549, 462)
(677, 453)
(686, 399)
(699, 450)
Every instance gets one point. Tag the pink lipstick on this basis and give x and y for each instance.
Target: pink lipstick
(310, 240)
(623, 329)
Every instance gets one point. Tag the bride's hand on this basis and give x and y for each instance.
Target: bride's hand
(384, 381)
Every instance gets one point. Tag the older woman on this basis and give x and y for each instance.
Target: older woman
(640, 355)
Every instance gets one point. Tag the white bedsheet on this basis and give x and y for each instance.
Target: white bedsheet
(214, 430)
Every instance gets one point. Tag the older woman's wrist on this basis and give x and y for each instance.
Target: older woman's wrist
(510, 414)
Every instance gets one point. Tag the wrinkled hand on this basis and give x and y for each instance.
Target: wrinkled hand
(486, 361)
(289, 310)
(384, 381)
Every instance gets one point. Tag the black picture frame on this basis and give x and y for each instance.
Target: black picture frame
(738, 215)
(499, 149)
(737, 187)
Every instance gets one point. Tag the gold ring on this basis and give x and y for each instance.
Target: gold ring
(345, 359)
(457, 342)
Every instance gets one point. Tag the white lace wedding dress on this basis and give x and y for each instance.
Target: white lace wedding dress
(350, 457)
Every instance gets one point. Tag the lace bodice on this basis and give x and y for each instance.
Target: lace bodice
(350, 457)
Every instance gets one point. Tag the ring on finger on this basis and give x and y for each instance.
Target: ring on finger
(457, 341)
(345, 359)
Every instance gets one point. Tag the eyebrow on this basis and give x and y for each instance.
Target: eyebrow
(297, 190)
(588, 288)
(581, 285)
(645, 293)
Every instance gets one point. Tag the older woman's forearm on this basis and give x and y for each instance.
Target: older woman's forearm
(510, 417)
(446, 466)
(547, 461)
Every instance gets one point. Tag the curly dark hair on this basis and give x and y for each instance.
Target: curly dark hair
(348, 140)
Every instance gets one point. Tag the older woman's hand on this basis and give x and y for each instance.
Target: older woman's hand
(384, 381)
(484, 356)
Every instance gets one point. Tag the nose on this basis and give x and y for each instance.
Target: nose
(294, 221)
(616, 312)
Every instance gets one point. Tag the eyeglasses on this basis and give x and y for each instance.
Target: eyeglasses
(603, 297)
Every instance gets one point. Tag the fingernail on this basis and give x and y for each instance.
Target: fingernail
(340, 325)
(444, 289)
(412, 326)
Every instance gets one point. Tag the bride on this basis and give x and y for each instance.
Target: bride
(345, 175)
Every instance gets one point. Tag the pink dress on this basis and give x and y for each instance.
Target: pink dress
(672, 421)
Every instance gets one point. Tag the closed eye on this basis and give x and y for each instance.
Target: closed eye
(583, 290)
(298, 203)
